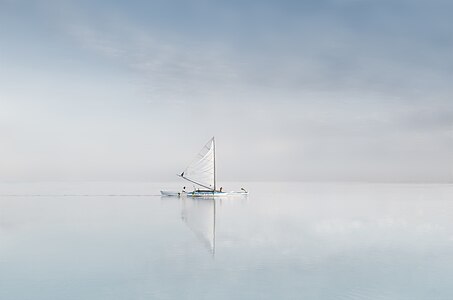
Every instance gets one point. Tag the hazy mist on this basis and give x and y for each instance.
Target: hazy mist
(292, 90)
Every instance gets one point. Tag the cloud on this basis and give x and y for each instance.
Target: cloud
(165, 68)
(324, 90)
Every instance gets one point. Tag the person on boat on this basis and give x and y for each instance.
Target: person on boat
(183, 189)
(221, 188)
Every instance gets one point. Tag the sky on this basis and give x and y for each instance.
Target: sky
(336, 90)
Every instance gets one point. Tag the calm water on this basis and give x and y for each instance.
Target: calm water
(283, 241)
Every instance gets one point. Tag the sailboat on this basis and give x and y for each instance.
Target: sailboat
(202, 173)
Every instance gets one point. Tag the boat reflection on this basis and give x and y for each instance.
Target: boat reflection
(200, 216)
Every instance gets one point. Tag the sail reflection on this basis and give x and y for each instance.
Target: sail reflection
(200, 216)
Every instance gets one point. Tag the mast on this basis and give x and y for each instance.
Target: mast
(213, 143)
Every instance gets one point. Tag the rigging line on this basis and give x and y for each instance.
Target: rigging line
(196, 182)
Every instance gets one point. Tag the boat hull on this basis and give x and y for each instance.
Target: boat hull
(201, 194)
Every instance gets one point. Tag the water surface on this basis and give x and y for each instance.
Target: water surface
(284, 241)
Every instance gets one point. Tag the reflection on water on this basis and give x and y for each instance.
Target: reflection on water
(199, 215)
(285, 241)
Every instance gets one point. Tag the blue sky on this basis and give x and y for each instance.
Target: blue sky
(292, 90)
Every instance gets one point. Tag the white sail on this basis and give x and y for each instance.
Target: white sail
(202, 170)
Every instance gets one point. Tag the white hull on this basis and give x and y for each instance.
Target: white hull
(201, 194)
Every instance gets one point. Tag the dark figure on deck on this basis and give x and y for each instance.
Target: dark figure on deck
(221, 188)
(184, 189)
